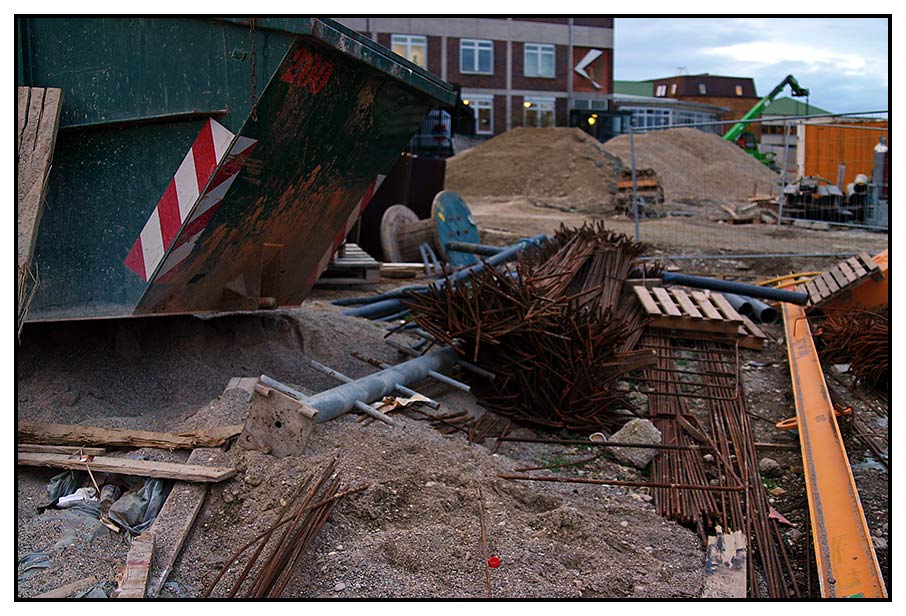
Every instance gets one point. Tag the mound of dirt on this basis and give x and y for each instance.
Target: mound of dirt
(559, 167)
(696, 166)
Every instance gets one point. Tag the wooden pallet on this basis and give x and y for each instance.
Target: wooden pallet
(694, 311)
(750, 335)
(350, 266)
(841, 278)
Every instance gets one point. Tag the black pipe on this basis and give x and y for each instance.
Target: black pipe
(700, 282)
(763, 312)
(740, 303)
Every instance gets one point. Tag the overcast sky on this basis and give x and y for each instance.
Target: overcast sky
(844, 62)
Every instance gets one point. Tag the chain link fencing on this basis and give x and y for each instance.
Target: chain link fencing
(825, 191)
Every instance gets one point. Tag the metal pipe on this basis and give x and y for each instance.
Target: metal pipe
(298, 395)
(740, 303)
(334, 402)
(391, 306)
(465, 365)
(475, 249)
(763, 312)
(701, 282)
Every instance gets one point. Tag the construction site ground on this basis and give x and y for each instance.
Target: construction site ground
(415, 532)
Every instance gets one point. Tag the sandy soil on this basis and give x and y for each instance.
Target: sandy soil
(414, 533)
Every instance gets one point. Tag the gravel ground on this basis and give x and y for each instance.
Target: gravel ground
(414, 533)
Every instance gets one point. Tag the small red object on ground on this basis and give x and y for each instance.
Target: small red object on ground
(493, 562)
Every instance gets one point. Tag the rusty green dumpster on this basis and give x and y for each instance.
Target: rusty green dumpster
(208, 164)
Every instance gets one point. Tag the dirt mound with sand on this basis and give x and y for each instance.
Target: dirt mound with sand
(560, 167)
(696, 166)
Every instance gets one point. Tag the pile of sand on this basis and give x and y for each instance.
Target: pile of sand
(560, 167)
(697, 166)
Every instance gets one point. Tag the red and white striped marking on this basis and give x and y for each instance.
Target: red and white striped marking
(344, 231)
(179, 200)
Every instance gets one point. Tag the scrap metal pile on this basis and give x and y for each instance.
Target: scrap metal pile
(559, 331)
(863, 340)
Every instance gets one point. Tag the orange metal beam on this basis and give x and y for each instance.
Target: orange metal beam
(847, 564)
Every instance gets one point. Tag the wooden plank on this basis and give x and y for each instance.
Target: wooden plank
(726, 566)
(666, 302)
(647, 301)
(126, 466)
(65, 434)
(67, 449)
(823, 290)
(704, 303)
(725, 308)
(686, 304)
(752, 329)
(847, 272)
(35, 153)
(710, 326)
(868, 262)
(813, 293)
(857, 267)
(69, 589)
(22, 98)
(832, 285)
(134, 581)
(838, 277)
(173, 524)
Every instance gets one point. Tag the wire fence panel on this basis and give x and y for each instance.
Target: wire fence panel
(814, 185)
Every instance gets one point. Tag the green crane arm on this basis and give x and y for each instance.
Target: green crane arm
(737, 129)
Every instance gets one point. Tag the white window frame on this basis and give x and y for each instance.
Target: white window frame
(409, 41)
(543, 104)
(537, 50)
(661, 90)
(702, 88)
(672, 89)
(739, 90)
(481, 101)
(477, 45)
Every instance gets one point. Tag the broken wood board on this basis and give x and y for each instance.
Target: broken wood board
(63, 434)
(277, 424)
(134, 581)
(726, 566)
(65, 591)
(127, 466)
(67, 449)
(173, 524)
(38, 111)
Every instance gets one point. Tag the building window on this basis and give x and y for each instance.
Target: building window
(413, 47)
(538, 112)
(661, 90)
(672, 89)
(702, 88)
(476, 56)
(598, 104)
(539, 60)
(644, 118)
(483, 108)
(738, 89)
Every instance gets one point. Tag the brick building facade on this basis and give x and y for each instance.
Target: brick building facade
(513, 71)
(737, 94)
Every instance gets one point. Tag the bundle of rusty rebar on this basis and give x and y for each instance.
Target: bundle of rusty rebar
(302, 517)
(862, 339)
(724, 427)
(558, 332)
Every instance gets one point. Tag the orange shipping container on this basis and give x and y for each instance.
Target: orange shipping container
(829, 145)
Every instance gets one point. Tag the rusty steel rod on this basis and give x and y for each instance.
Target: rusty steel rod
(628, 484)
